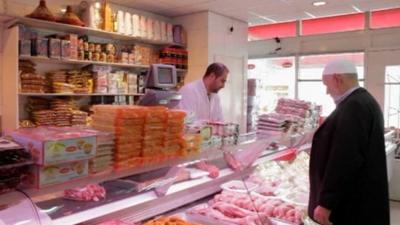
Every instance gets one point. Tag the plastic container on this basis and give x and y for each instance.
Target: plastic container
(18, 209)
(49, 145)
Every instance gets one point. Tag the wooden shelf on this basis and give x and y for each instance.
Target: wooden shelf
(73, 94)
(86, 31)
(80, 62)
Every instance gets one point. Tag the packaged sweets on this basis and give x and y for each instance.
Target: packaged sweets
(40, 47)
(54, 48)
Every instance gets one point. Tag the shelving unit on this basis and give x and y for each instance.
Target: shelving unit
(15, 101)
(81, 62)
(73, 94)
(42, 24)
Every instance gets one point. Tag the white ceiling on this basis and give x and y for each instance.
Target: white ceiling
(259, 11)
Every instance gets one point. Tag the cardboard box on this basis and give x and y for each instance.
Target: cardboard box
(54, 48)
(51, 151)
(42, 176)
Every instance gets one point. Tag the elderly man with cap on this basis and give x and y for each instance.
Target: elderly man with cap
(348, 176)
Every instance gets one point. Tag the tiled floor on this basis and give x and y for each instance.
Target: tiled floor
(394, 213)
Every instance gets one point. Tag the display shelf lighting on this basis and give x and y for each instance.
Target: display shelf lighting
(319, 3)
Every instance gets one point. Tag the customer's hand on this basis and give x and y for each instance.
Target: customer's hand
(321, 215)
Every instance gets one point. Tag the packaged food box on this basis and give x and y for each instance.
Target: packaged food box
(65, 49)
(40, 47)
(25, 47)
(54, 48)
(73, 38)
(42, 176)
(50, 145)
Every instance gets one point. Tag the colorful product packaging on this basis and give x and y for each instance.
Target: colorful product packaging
(42, 176)
(40, 47)
(50, 146)
(65, 49)
(54, 48)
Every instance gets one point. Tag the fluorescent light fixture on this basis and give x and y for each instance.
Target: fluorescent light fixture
(356, 8)
(310, 15)
(319, 3)
(268, 19)
(263, 17)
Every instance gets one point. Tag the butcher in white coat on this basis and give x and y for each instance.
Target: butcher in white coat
(201, 96)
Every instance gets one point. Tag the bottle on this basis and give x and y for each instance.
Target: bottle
(108, 17)
(115, 23)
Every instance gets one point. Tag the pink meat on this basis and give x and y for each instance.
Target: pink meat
(91, 192)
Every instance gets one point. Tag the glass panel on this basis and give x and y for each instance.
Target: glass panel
(311, 67)
(392, 96)
(276, 78)
(385, 18)
(333, 24)
(315, 91)
(269, 31)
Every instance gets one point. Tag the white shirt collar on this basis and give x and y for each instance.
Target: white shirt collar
(340, 99)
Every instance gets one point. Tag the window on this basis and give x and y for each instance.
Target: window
(392, 96)
(269, 31)
(310, 86)
(385, 18)
(333, 24)
(276, 79)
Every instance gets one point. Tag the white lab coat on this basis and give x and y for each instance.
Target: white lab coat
(195, 99)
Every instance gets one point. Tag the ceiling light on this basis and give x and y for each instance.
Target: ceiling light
(356, 8)
(63, 10)
(310, 15)
(319, 3)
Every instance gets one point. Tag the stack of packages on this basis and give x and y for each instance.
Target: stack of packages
(104, 158)
(293, 107)
(174, 143)
(60, 82)
(80, 80)
(58, 112)
(62, 111)
(154, 131)
(127, 124)
(289, 116)
(78, 118)
(60, 154)
(272, 122)
(143, 135)
(31, 82)
(44, 117)
(36, 104)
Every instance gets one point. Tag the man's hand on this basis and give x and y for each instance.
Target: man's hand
(321, 215)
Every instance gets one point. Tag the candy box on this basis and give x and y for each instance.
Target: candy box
(54, 48)
(65, 49)
(50, 146)
(42, 176)
(25, 47)
(40, 47)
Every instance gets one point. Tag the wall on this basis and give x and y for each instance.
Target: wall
(196, 26)
(230, 48)
(373, 42)
(210, 40)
